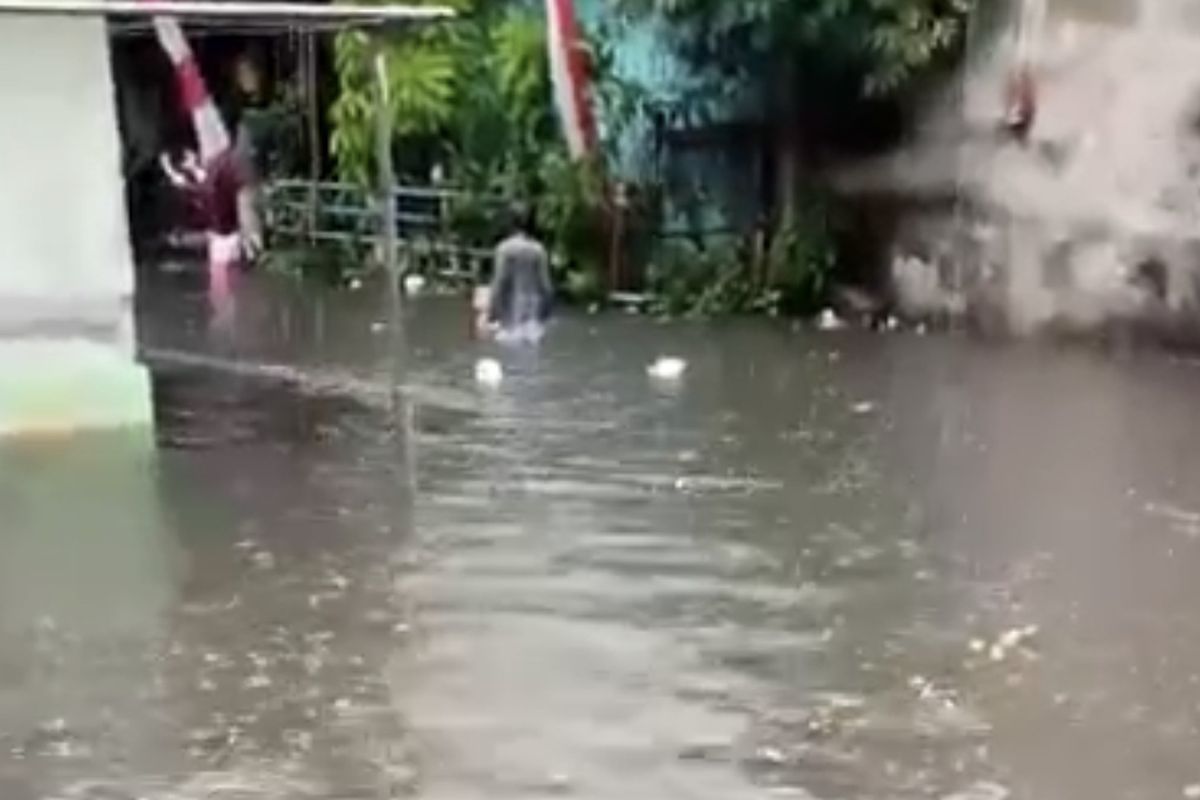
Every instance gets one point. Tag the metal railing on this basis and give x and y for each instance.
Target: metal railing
(303, 212)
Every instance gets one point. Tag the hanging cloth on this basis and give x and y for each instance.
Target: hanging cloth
(1021, 91)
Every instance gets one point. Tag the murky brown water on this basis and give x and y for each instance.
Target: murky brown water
(811, 569)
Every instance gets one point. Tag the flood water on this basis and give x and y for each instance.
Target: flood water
(841, 565)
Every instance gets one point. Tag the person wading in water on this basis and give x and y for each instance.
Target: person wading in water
(213, 190)
(521, 294)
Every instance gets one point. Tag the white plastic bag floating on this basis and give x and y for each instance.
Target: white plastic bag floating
(488, 372)
(414, 284)
(667, 369)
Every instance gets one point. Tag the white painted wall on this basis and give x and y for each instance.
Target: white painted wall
(66, 267)
(65, 257)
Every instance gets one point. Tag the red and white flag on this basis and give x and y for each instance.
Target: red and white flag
(211, 134)
(569, 77)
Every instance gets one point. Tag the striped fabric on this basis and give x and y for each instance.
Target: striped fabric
(569, 75)
(211, 134)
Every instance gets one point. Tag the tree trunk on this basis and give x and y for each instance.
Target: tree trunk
(308, 62)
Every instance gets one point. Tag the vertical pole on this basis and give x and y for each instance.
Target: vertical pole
(617, 221)
(402, 411)
(960, 222)
(386, 177)
(308, 60)
(386, 201)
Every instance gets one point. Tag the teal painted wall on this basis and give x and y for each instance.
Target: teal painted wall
(710, 187)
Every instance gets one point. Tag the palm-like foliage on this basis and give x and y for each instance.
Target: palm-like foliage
(880, 43)
(424, 72)
(478, 88)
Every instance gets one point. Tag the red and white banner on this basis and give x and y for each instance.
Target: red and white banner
(569, 76)
(211, 134)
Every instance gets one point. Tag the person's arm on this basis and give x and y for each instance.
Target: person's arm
(173, 175)
(193, 169)
(547, 286)
(501, 270)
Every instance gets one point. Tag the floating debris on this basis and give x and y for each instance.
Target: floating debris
(354, 284)
(54, 739)
(1192, 791)
(710, 751)
(558, 782)
(1181, 520)
(793, 792)
(828, 320)
(299, 740)
(414, 283)
(258, 681)
(488, 372)
(667, 368)
(263, 560)
(981, 790)
(865, 407)
(770, 755)
(1010, 640)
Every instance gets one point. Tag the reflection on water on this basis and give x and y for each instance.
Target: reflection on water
(822, 566)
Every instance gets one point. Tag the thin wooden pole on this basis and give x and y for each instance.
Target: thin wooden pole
(402, 410)
(309, 64)
(387, 175)
(387, 219)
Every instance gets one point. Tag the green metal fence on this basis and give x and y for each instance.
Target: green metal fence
(301, 212)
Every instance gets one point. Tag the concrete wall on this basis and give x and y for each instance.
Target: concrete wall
(66, 273)
(1094, 219)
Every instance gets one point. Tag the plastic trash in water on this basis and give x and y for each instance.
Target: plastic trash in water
(667, 369)
(828, 320)
(488, 372)
(414, 283)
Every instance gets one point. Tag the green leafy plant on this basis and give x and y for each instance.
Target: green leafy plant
(326, 263)
(278, 132)
(422, 75)
(475, 96)
(802, 258)
(716, 275)
(880, 44)
(572, 214)
(522, 70)
(690, 277)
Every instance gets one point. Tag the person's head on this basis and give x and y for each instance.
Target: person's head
(521, 219)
